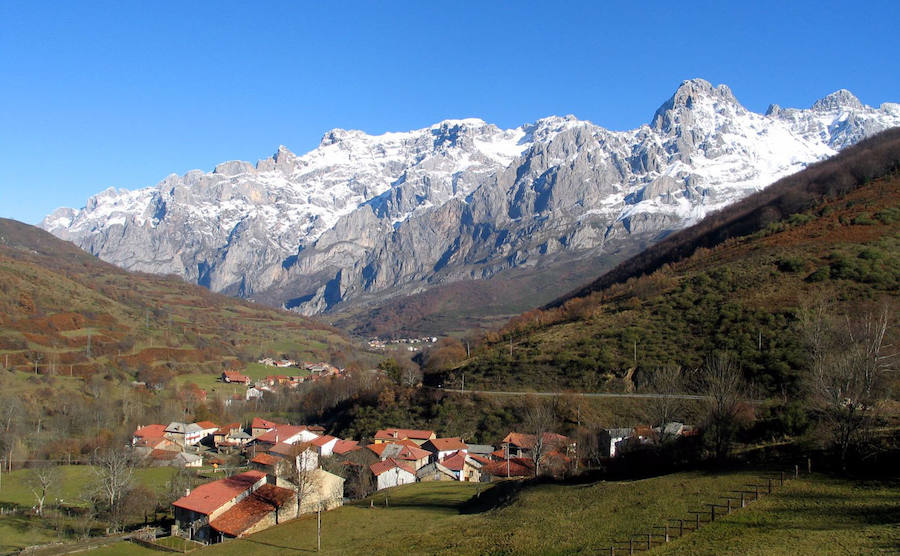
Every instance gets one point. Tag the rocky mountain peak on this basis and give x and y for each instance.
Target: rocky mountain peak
(693, 95)
(837, 101)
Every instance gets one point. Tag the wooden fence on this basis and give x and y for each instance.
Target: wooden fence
(730, 501)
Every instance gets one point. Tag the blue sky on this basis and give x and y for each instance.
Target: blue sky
(100, 94)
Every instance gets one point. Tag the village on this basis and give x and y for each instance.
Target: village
(274, 472)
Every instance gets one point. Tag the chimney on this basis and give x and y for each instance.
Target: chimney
(187, 492)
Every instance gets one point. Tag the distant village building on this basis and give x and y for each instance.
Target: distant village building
(235, 377)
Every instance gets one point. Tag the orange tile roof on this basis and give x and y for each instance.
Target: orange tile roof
(209, 497)
(382, 466)
(481, 459)
(251, 510)
(150, 431)
(207, 425)
(445, 444)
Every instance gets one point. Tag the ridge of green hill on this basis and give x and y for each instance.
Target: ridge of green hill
(732, 283)
(65, 312)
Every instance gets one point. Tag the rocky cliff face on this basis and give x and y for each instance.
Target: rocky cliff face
(369, 215)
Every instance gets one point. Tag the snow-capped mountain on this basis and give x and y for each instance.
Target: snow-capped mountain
(389, 214)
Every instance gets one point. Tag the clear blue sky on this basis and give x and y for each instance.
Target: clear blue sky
(100, 94)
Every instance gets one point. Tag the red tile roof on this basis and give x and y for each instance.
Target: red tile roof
(207, 425)
(399, 434)
(207, 498)
(518, 467)
(164, 455)
(322, 440)
(251, 510)
(342, 446)
(265, 459)
(260, 423)
(527, 440)
(382, 466)
(235, 376)
(481, 459)
(150, 431)
(445, 444)
(377, 448)
(226, 429)
(455, 461)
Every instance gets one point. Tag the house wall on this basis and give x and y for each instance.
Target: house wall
(395, 477)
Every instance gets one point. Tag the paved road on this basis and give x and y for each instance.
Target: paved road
(585, 394)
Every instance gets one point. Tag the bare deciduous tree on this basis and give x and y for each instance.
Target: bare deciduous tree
(42, 479)
(723, 384)
(300, 470)
(539, 420)
(848, 365)
(666, 381)
(114, 473)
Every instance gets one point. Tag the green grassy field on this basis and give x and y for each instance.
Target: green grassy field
(816, 515)
(819, 516)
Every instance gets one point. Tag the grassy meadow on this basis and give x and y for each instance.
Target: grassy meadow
(19, 530)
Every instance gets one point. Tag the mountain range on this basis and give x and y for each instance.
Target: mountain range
(362, 218)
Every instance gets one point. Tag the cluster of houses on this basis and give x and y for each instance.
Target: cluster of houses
(286, 476)
(411, 344)
(257, 389)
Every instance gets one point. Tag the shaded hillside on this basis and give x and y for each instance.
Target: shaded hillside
(62, 311)
(833, 236)
(466, 305)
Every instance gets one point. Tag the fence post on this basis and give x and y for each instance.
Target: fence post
(648, 540)
(698, 522)
(680, 528)
(770, 486)
(782, 479)
(796, 470)
(712, 513)
(729, 504)
(612, 550)
(667, 531)
(808, 466)
(756, 490)
(630, 545)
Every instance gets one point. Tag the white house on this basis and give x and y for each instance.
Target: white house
(324, 444)
(391, 473)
